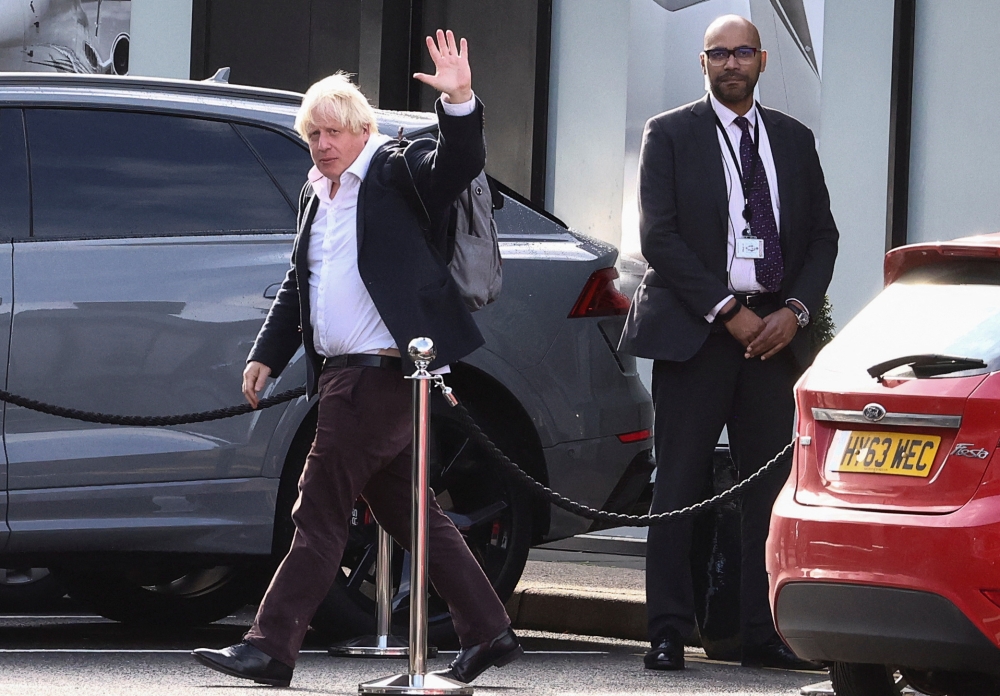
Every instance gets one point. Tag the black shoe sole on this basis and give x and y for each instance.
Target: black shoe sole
(211, 664)
(501, 661)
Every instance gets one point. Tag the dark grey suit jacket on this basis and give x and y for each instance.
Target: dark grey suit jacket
(402, 242)
(684, 221)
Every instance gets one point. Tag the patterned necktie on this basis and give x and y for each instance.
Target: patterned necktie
(770, 269)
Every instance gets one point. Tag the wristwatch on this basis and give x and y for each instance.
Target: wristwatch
(801, 315)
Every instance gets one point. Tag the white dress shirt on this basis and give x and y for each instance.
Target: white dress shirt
(742, 274)
(342, 314)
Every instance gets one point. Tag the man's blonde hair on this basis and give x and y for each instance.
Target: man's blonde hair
(335, 98)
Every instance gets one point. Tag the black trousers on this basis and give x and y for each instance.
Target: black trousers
(693, 400)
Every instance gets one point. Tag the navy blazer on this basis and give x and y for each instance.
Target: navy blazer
(401, 250)
(684, 223)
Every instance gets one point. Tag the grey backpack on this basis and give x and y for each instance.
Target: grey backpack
(474, 251)
(475, 262)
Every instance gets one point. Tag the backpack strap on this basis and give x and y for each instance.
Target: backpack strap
(400, 168)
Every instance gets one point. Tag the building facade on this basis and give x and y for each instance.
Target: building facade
(899, 110)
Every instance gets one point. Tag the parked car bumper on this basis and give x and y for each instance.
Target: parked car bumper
(625, 471)
(887, 588)
(842, 622)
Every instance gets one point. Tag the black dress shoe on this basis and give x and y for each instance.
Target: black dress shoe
(774, 653)
(471, 662)
(667, 653)
(246, 662)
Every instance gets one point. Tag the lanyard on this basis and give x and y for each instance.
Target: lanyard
(746, 183)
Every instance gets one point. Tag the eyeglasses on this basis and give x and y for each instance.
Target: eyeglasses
(717, 57)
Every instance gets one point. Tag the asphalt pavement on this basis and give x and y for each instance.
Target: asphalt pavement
(85, 655)
(564, 595)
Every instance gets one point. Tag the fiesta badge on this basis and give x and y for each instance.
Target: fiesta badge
(873, 412)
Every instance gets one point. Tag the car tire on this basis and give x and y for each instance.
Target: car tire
(29, 589)
(470, 488)
(944, 683)
(853, 679)
(188, 596)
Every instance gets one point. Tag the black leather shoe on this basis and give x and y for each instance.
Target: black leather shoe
(471, 662)
(774, 653)
(667, 653)
(246, 662)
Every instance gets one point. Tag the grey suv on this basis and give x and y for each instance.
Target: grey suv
(146, 226)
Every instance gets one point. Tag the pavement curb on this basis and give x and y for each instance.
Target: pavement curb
(611, 614)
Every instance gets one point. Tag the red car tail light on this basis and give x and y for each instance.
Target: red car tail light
(600, 297)
(637, 436)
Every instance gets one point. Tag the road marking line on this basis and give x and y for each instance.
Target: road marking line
(47, 617)
(169, 651)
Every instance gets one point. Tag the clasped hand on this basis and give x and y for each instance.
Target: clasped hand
(765, 337)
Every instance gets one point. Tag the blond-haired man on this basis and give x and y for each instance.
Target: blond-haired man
(367, 276)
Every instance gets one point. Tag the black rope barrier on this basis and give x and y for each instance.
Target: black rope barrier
(620, 519)
(477, 436)
(182, 419)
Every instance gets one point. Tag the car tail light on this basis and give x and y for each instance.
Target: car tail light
(600, 297)
(636, 436)
(993, 596)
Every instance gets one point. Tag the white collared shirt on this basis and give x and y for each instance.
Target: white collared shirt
(343, 317)
(741, 272)
(342, 314)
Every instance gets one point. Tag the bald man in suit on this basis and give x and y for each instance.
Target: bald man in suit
(735, 224)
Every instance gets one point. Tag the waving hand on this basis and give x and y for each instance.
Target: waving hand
(453, 75)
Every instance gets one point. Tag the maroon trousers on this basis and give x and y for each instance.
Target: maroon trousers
(363, 447)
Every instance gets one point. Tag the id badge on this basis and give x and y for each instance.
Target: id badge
(749, 248)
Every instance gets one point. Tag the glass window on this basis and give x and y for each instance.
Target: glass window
(120, 174)
(287, 158)
(951, 308)
(14, 219)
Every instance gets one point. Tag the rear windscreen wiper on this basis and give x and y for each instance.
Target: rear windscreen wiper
(927, 365)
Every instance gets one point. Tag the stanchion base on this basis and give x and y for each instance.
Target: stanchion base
(375, 646)
(415, 684)
(370, 646)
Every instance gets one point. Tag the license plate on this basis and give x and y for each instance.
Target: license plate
(865, 452)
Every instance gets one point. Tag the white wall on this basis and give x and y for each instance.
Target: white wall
(854, 143)
(160, 38)
(954, 170)
(587, 98)
(664, 72)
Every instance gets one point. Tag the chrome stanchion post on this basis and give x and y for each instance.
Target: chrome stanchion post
(417, 681)
(383, 644)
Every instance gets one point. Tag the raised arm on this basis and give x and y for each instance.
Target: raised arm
(444, 169)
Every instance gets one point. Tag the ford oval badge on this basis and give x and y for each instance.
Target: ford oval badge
(873, 412)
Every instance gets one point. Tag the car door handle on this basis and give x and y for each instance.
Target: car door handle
(272, 291)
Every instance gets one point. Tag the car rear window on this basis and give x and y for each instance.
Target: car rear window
(121, 174)
(950, 308)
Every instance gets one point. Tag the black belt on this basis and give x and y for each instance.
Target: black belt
(363, 360)
(759, 299)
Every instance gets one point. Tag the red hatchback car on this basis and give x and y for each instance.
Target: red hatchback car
(884, 549)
